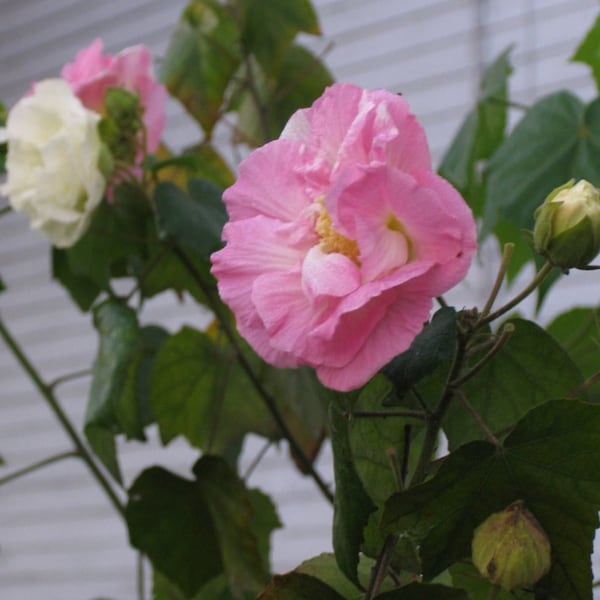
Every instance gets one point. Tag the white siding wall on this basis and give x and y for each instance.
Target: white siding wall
(59, 538)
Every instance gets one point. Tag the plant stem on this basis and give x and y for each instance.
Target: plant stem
(38, 465)
(507, 331)
(47, 393)
(69, 377)
(533, 285)
(506, 256)
(477, 418)
(380, 568)
(269, 401)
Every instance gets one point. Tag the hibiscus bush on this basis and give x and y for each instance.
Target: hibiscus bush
(465, 439)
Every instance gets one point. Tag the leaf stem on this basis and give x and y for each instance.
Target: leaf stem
(379, 570)
(48, 395)
(533, 285)
(37, 465)
(507, 331)
(69, 377)
(477, 418)
(269, 401)
(506, 256)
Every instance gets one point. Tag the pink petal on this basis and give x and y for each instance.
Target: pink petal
(393, 334)
(269, 183)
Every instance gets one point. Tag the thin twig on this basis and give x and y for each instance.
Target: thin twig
(533, 285)
(256, 461)
(506, 256)
(37, 465)
(379, 570)
(269, 401)
(588, 383)
(47, 393)
(69, 377)
(396, 469)
(507, 331)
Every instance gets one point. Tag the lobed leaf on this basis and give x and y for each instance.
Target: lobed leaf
(588, 52)
(548, 461)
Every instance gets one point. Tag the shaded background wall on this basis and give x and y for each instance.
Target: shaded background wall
(59, 538)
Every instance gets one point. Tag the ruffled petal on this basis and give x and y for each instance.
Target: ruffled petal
(270, 183)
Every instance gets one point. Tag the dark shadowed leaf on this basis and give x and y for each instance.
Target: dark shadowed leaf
(549, 461)
(132, 410)
(194, 220)
(466, 576)
(433, 346)
(352, 505)
(298, 586)
(531, 369)
(269, 27)
(172, 520)
(202, 57)
(82, 289)
(588, 52)
(119, 335)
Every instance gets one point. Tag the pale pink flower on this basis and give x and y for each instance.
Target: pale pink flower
(92, 72)
(340, 235)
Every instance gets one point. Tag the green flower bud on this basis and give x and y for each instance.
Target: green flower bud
(511, 549)
(567, 225)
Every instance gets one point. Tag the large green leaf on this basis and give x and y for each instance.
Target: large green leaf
(588, 52)
(480, 134)
(132, 409)
(192, 531)
(352, 504)
(200, 391)
(325, 568)
(578, 331)
(549, 461)
(82, 289)
(466, 576)
(119, 341)
(302, 79)
(530, 369)
(202, 57)
(269, 27)
(298, 586)
(557, 139)
(194, 220)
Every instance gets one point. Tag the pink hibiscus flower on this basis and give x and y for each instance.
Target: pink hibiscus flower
(340, 236)
(92, 72)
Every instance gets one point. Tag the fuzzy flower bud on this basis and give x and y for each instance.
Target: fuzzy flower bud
(511, 549)
(567, 225)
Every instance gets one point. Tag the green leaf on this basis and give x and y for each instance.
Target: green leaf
(480, 134)
(119, 340)
(132, 410)
(197, 392)
(352, 505)
(117, 234)
(324, 567)
(588, 52)
(264, 522)
(530, 369)
(195, 220)
(302, 79)
(269, 27)
(424, 591)
(82, 289)
(435, 345)
(466, 576)
(578, 332)
(298, 586)
(202, 57)
(548, 461)
(557, 139)
(192, 531)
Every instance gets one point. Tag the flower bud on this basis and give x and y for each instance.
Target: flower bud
(567, 225)
(511, 549)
